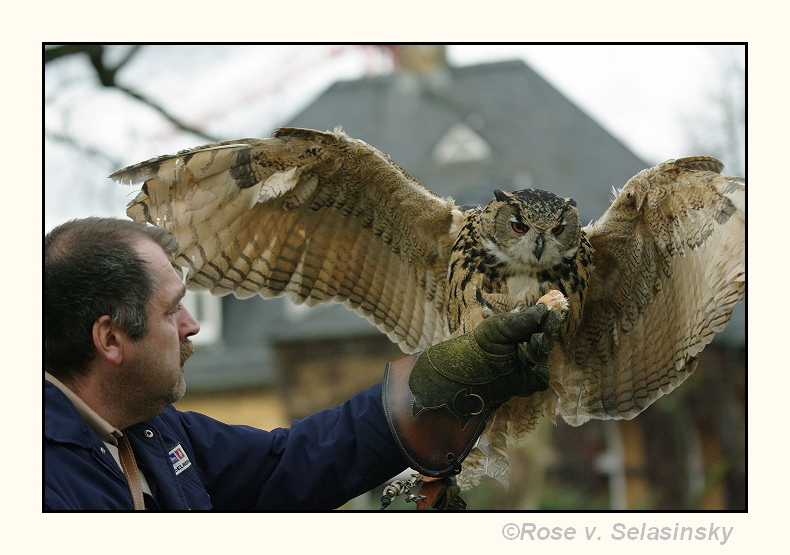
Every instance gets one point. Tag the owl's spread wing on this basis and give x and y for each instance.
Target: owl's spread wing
(669, 266)
(317, 216)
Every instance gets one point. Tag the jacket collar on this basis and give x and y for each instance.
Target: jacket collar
(106, 431)
(62, 420)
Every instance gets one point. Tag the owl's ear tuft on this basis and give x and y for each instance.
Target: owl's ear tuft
(501, 195)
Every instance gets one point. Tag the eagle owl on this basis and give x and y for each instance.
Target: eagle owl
(319, 216)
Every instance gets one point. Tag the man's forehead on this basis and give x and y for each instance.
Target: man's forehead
(160, 263)
(178, 270)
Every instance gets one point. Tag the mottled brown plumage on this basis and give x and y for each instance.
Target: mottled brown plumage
(323, 217)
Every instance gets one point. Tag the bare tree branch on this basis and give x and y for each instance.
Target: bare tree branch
(167, 115)
(106, 75)
(90, 150)
(52, 53)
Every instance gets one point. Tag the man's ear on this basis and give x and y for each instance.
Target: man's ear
(109, 340)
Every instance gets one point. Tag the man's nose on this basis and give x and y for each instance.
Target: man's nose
(189, 326)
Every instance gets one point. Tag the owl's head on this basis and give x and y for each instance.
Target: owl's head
(531, 227)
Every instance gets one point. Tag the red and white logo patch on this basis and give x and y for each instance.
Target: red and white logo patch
(179, 459)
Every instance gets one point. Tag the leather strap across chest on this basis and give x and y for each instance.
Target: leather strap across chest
(132, 473)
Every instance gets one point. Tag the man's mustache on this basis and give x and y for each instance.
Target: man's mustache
(187, 350)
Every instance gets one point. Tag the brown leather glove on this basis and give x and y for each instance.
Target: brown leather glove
(437, 402)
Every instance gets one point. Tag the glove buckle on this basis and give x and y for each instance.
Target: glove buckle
(467, 402)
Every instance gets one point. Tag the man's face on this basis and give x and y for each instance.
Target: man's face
(155, 368)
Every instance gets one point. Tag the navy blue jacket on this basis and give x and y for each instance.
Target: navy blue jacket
(197, 462)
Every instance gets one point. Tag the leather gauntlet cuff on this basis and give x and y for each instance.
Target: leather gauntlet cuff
(436, 439)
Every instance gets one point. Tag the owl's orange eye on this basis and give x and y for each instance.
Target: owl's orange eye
(558, 230)
(518, 227)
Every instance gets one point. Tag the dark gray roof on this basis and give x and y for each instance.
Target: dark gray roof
(531, 128)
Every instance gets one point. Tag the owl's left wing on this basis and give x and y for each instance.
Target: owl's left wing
(317, 216)
(669, 266)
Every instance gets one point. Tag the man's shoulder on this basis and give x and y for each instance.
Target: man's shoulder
(185, 422)
(62, 421)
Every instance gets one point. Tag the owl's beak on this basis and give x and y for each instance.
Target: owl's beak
(538, 250)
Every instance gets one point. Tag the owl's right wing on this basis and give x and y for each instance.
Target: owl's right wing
(317, 216)
(669, 265)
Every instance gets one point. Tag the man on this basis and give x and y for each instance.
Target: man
(116, 343)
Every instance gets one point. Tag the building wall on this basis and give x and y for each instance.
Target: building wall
(323, 373)
(261, 407)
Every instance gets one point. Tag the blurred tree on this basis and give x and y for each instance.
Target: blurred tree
(721, 130)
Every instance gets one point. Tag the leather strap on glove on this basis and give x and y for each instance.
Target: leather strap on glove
(437, 402)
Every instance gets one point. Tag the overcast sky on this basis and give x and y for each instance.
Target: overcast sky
(240, 91)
